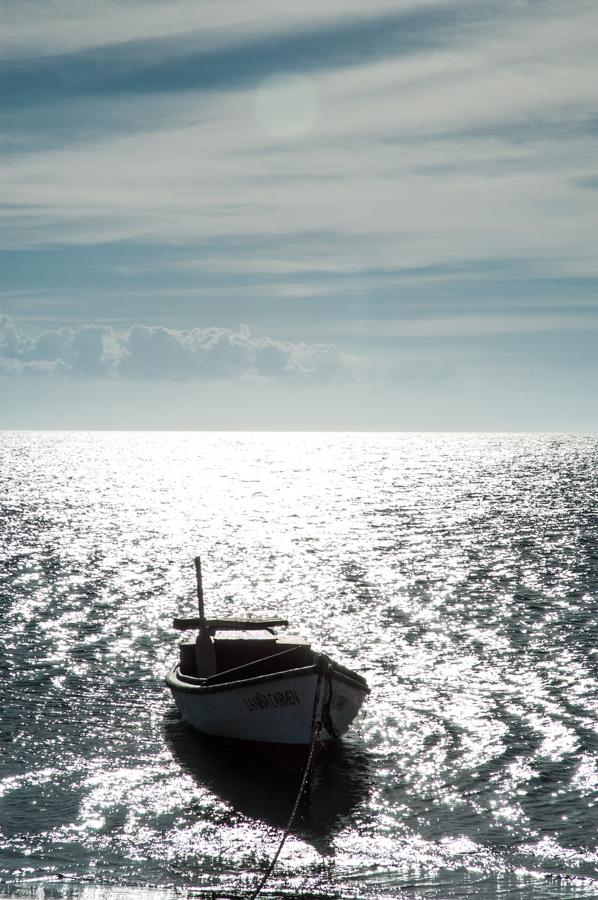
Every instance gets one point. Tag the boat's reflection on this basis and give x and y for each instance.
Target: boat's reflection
(340, 782)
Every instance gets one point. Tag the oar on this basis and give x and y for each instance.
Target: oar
(205, 654)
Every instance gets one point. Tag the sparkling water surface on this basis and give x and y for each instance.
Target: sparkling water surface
(458, 573)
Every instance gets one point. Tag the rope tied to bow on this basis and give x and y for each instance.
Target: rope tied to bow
(321, 718)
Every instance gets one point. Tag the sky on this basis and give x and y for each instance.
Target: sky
(267, 215)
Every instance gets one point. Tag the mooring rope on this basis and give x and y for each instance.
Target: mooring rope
(316, 729)
(326, 714)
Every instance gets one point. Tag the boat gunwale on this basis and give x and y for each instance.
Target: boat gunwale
(199, 686)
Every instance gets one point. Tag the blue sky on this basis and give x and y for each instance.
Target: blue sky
(266, 215)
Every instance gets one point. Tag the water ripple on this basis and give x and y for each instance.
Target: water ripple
(459, 573)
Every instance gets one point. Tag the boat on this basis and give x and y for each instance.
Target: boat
(274, 695)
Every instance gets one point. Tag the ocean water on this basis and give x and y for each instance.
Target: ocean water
(458, 573)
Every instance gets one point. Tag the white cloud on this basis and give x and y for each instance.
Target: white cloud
(157, 353)
(469, 153)
(36, 26)
(416, 151)
(472, 325)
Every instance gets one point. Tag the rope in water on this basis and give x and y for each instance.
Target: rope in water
(316, 729)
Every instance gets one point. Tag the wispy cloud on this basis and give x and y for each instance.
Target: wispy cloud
(206, 63)
(339, 175)
(475, 141)
(34, 28)
(474, 325)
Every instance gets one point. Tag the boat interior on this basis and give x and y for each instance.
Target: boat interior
(239, 658)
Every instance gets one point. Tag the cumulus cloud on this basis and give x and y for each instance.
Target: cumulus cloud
(154, 352)
(87, 350)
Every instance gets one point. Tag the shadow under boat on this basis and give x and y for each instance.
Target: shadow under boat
(258, 789)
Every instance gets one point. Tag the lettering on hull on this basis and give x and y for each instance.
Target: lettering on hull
(272, 701)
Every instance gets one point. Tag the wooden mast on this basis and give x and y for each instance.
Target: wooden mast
(205, 654)
(202, 615)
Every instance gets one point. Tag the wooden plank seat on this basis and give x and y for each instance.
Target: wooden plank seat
(229, 624)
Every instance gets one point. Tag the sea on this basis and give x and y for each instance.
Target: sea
(457, 572)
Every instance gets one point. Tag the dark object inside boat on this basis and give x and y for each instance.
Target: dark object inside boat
(240, 658)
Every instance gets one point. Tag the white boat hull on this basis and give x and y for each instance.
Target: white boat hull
(272, 708)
